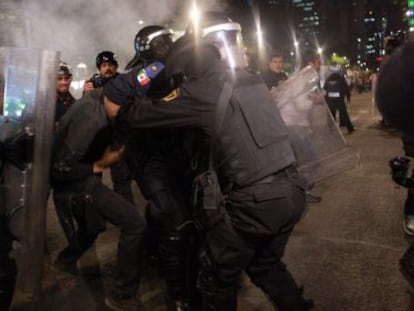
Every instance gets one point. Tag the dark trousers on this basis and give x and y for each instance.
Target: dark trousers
(121, 179)
(340, 106)
(121, 213)
(252, 235)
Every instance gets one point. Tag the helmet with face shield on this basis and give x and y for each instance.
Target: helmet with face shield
(220, 30)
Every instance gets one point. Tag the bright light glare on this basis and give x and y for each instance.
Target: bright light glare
(140, 22)
(320, 50)
(81, 66)
(195, 13)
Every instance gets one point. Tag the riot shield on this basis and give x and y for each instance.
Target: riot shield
(320, 148)
(27, 108)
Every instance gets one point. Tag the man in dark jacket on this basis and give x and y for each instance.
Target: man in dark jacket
(82, 150)
(274, 75)
(64, 98)
(253, 159)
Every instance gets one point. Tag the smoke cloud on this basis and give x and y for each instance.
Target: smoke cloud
(79, 29)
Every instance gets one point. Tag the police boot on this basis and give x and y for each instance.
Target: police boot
(407, 265)
(173, 259)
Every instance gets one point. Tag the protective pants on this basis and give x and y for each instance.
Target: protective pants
(340, 106)
(168, 190)
(252, 235)
(117, 210)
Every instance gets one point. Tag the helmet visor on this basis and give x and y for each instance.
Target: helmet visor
(227, 37)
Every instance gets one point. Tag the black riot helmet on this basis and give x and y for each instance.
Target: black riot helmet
(64, 69)
(151, 43)
(106, 56)
(220, 30)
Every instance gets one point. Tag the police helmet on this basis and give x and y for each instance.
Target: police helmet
(217, 28)
(106, 56)
(64, 69)
(151, 42)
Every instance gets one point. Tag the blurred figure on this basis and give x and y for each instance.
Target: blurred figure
(310, 57)
(64, 98)
(107, 65)
(274, 75)
(395, 102)
(336, 91)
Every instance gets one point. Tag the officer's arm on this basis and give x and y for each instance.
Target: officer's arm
(191, 105)
(124, 88)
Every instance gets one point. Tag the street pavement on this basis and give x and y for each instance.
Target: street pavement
(344, 251)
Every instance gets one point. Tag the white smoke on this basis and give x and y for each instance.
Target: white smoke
(79, 29)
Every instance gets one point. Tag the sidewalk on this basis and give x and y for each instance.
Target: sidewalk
(344, 252)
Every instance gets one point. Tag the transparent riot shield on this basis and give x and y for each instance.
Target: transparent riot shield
(27, 108)
(320, 148)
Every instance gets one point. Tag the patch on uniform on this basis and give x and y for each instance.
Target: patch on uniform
(173, 95)
(148, 73)
(143, 78)
(153, 69)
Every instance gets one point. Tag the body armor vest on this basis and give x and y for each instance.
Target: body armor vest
(253, 141)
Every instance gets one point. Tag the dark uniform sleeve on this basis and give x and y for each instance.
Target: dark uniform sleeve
(125, 87)
(193, 104)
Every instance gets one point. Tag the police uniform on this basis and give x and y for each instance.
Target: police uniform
(337, 90)
(80, 196)
(255, 168)
(160, 168)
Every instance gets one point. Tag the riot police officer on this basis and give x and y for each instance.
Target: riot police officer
(251, 154)
(337, 90)
(156, 162)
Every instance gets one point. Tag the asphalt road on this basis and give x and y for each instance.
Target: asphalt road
(344, 252)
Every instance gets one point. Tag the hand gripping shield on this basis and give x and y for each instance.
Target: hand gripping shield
(27, 108)
(320, 148)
